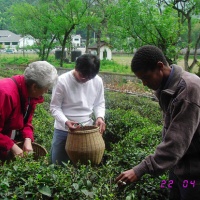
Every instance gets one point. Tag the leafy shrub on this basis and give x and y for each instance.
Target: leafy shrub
(129, 152)
(144, 106)
(43, 124)
(30, 180)
(11, 72)
(26, 179)
(119, 122)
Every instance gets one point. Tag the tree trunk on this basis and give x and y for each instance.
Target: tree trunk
(63, 49)
(187, 54)
(49, 47)
(98, 42)
(87, 39)
(67, 33)
(195, 61)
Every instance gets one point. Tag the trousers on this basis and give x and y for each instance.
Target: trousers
(58, 153)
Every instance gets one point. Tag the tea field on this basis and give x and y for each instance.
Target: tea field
(133, 127)
(133, 131)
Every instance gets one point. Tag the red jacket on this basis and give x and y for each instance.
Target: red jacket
(11, 116)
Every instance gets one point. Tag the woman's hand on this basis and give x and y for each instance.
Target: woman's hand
(17, 151)
(101, 124)
(27, 145)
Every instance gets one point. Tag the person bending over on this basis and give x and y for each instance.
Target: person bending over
(178, 93)
(18, 98)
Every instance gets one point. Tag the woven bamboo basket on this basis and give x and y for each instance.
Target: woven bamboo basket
(85, 144)
(38, 151)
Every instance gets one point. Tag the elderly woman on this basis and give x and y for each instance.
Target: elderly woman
(19, 96)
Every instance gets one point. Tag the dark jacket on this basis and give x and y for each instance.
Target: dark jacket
(179, 99)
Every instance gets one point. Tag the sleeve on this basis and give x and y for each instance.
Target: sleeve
(99, 104)
(56, 103)
(177, 139)
(5, 111)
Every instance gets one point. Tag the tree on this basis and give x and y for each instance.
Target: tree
(100, 14)
(4, 16)
(188, 12)
(49, 21)
(145, 22)
(67, 15)
(35, 20)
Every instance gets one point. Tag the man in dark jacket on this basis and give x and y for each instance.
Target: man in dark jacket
(178, 93)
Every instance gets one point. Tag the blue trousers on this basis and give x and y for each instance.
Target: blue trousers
(184, 189)
(58, 153)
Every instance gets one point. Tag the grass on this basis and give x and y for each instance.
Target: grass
(126, 60)
(20, 60)
(120, 63)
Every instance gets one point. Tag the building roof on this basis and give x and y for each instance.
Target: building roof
(76, 36)
(8, 36)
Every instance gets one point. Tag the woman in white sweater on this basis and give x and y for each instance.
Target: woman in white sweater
(78, 94)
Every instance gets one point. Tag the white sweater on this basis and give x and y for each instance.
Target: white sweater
(76, 101)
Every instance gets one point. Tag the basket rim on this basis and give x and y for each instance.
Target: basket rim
(83, 130)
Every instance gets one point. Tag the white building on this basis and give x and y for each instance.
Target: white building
(26, 41)
(76, 40)
(105, 51)
(9, 39)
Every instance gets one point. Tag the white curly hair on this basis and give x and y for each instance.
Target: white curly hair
(42, 73)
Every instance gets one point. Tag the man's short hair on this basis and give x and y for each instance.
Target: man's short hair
(146, 58)
(88, 65)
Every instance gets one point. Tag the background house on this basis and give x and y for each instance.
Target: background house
(8, 39)
(76, 40)
(105, 51)
(26, 41)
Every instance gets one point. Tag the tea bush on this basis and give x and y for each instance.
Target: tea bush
(8, 73)
(119, 122)
(130, 151)
(27, 179)
(144, 106)
(43, 126)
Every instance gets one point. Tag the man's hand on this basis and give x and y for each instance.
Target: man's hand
(101, 124)
(125, 177)
(72, 125)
